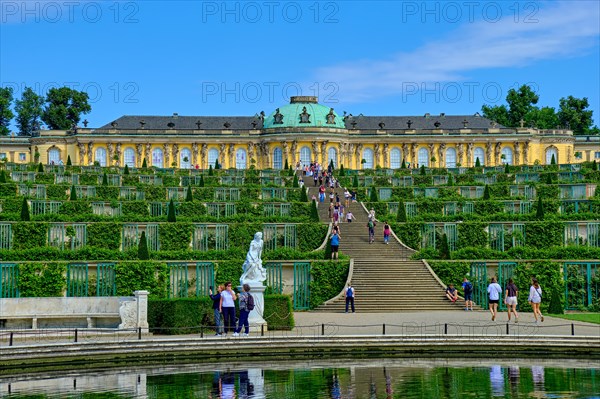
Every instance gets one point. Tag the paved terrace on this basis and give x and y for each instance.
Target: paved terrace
(316, 335)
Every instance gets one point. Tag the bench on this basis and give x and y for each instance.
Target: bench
(78, 312)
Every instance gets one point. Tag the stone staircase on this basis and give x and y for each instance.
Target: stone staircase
(384, 277)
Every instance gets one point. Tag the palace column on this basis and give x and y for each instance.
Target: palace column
(441, 153)
(315, 150)
(517, 152)
(460, 147)
(358, 156)
(139, 149)
(324, 153)
(285, 151)
(195, 151)
(385, 152)
(204, 156)
(469, 155)
(294, 148)
(167, 155)
(118, 154)
(376, 154)
(81, 154)
(349, 155)
(488, 154)
(497, 154)
(231, 153)
(175, 153)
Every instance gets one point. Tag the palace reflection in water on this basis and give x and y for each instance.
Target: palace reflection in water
(422, 380)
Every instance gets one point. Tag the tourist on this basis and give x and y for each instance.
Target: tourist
(336, 213)
(347, 197)
(350, 217)
(216, 298)
(494, 290)
(330, 213)
(451, 293)
(342, 210)
(335, 242)
(321, 193)
(349, 293)
(510, 299)
(228, 298)
(535, 298)
(354, 195)
(468, 290)
(371, 215)
(315, 179)
(386, 233)
(371, 226)
(301, 183)
(331, 196)
(244, 298)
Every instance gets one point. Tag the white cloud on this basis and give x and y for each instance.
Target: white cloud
(564, 29)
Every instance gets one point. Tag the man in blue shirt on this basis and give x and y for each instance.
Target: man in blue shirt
(350, 297)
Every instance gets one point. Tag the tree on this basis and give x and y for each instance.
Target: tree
(444, 247)
(143, 248)
(355, 181)
(69, 163)
(556, 306)
(573, 114)
(144, 164)
(486, 192)
(542, 118)
(506, 168)
(342, 172)
(520, 103)
(171, 212)
(189, 197)
(373, 195)
(450, 180)
(553, 160)
(422, 171)
(210, 170)
(594, 165)
(6, 115)
(40, 168)
(2, 176)
(73, 196)
(331, 167)
(295, 181)
(497, 113)
(126, 170)
(29, 111)
(401, 215)
(477, 162)
(201, 182)
(286, 166)
(303, 195)
(539, 214)
(105, 179)
(25, 211)
(217, 166)
(403, 166)
(314, 212)
(64, 108)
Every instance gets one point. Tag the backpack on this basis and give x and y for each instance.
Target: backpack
(468, 287)
(370, 224)
(250, 302)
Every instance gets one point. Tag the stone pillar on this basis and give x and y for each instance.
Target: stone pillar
(141, 298)
(203, 156)
(376, 154)
(324, 161)
(294, 149)
(517, 154)
(460, 152)
(139, 148)
(385, 152)
(81, 154)
(195, 151)
(497, 154)
(90, 152)
(167, 155)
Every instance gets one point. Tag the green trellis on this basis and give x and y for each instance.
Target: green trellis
(106, 282)
(506, 271)
(275, 276)
(77, 279)
(480, 282)
(5, 235)
(205, 277)
(178, 280)
(582, 284)
(496, 236)
(9, 280)
(301, 285)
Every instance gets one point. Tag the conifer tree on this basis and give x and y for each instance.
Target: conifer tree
(314, 212)
(594, 165)
(126, 170)
(477, 162)
(201, 182)
(556, 306)
(331, 167)
(144, 164)
(69, 163)
(295, 182)
(342, 172)
(506, 168)
(401, 215)
(210, 170)
(450, 180)
(171, 212)
(355, 181)
(25, 211)
(189, 197)
(553, 160)
(217, 165)
(105, 179)
(2, 176)
(486, 192)
(422, 171)
(373, 197)
(303, 195)
(143, 248)
(40, 168)
(539, 215)
(403, 166)
(73, 196)
(286, 166)
(444, 247)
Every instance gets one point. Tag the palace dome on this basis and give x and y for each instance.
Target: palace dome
(303, 111)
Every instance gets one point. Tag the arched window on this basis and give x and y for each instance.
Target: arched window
(129, 157)
(54, 156)
(508, 156)
(368, 157)
(185, 158)
(305, 156)
(549, 153)
(332, 156)
(157, 157)
(423, 157)
(479, 153)
(213, 155)
(395, 158)
(100, 156)
(240, 159)
(450, 158)
(277, 158)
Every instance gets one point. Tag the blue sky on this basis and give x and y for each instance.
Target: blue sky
(239, 58)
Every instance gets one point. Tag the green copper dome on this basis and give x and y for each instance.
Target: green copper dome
(303, 111)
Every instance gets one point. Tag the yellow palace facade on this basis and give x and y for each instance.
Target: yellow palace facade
(300, 132)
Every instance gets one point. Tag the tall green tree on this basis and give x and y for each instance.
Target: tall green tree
(189, 196)
(520, 102)
(539, 214)
(171, 212)
(25, 211)
(73, 196)
(497, 113)
(64, 108)
(29, 111)
(542, 118)
(6, 114)
(573, 113)
(401, 215)
(143, 247)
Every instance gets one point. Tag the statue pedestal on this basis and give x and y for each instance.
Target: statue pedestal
(255, 319)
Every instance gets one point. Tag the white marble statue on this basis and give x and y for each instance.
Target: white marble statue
(252, 269)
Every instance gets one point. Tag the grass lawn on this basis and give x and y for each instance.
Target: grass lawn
(587, 317)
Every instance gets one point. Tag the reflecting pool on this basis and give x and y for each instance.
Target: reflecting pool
(408, 378)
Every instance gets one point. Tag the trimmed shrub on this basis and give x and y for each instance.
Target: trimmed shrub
(171, 218)
(25, 211)
(143, 247)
